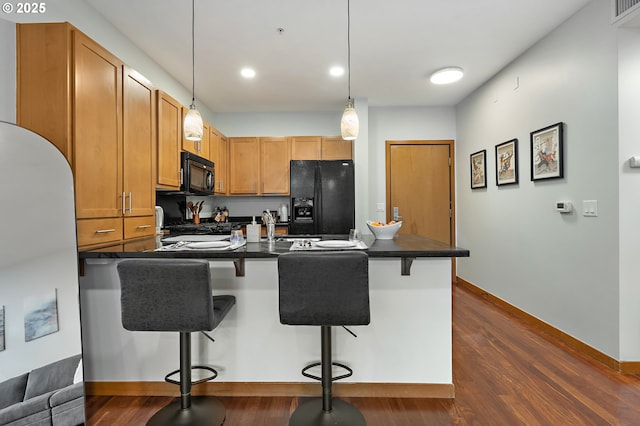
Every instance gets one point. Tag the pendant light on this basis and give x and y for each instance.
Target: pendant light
(349, 125)
(193, 127)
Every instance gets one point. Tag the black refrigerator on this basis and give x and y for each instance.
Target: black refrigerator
(322, 197)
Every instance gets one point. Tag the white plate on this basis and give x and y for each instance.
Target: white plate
(194, 238)
(208, 244)
(336, 244)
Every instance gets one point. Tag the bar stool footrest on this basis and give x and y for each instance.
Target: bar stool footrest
(333, 379)
(193, 367)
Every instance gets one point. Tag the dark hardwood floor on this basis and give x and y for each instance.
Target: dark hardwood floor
(505, 373)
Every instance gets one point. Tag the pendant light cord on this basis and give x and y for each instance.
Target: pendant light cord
(349, 47)
(193, 52)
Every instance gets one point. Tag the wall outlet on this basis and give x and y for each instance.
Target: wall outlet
(590, 208)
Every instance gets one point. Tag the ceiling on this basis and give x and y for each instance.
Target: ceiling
(395, 46)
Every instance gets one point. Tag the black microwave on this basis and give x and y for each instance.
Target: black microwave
(198, 174)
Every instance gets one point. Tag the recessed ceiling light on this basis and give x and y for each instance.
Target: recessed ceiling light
(336, 71)
(248, 73)
(447, 75)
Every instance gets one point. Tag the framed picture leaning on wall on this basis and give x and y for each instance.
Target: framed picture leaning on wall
(478, 162)
(546, 152)
(507, 162)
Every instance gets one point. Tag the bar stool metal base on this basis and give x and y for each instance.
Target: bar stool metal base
(310, 413)
(203, 411)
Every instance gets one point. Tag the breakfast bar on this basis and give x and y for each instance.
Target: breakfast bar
(404, 351)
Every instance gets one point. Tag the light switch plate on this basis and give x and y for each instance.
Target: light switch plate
(380, 207)
(590, 208)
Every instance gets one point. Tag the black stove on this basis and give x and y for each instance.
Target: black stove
(208, 228)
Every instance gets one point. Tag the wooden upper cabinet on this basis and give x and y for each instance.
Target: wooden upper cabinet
(244, 166)
(274, 165)
(205, 144)
(306, 147)
(139, 132)
(218, 152)
(97, 156)
(336, 148)
(169, 141)
(43, 98)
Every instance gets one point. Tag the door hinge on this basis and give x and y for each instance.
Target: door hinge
(449, 161)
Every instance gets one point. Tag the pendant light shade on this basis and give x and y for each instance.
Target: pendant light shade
(193, 126)
(349, 125)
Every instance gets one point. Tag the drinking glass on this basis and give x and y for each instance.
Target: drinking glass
(271, 232)
(236, 236)
(354, 235)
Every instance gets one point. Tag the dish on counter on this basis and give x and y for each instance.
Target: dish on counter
(336, 244)
(194, 238)
(208, 244)
(384, 231)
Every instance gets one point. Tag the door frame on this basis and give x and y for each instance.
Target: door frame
(452, 185)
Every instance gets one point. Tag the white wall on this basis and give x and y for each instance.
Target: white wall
(629, 145)
(7, 72)
(408, 123)
(38, 254)
(563, 269)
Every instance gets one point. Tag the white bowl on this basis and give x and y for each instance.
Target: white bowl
(384, 232)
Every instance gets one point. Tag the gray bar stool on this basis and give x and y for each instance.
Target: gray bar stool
(175, 295)
(324, 289)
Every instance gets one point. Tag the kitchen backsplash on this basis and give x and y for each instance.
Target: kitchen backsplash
(238, 206)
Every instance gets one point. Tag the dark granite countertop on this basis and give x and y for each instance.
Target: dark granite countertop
(404, 246)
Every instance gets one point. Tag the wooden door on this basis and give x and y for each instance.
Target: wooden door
(97, 157)
(244, 166)
(139, 120)
(306, 148)
(169, 141)
(336, 148)
(275, 156)
(420, 186)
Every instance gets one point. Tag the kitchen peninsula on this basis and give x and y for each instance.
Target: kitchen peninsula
(405, 351)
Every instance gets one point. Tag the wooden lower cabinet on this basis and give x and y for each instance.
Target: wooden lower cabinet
(136, 227)
(99, 231)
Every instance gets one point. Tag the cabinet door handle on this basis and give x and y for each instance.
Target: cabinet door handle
(144, 226)
(130, 202)
(105, 231)
(123, 207)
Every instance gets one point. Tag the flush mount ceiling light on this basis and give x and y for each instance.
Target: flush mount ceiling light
(336, 71)
(447, 75)
(349, 125)
(193, 126)
(248, 72)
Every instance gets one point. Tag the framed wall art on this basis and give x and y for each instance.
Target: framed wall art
(41, 315)
(507, 162)
(546, 153)
(479, 169)
(2, 347)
